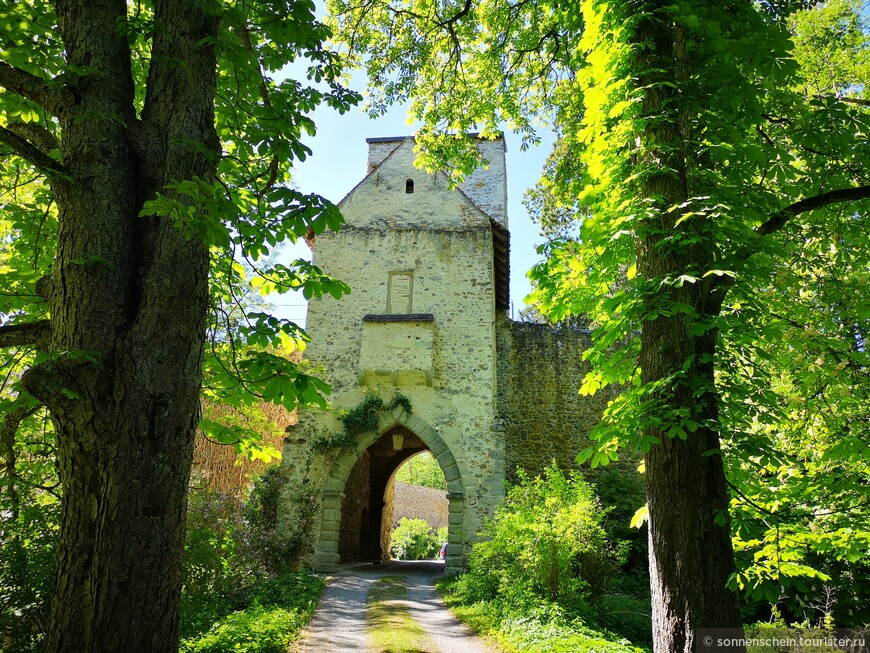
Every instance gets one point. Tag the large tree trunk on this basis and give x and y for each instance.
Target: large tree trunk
(128, 300)
(690, 545)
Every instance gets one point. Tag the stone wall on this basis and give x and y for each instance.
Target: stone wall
(417, 502)
(544, 418)
(486, 186)
(485, 395)
(354, 507)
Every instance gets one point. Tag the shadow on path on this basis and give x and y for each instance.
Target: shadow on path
(338, 625)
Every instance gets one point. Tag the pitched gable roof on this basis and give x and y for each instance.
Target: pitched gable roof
(477, 215)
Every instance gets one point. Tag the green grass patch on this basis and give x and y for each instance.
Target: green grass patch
(529, 629)
(390, 625)
(279, 608)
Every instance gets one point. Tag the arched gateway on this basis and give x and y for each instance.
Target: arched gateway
(427, 320)
(392, 422)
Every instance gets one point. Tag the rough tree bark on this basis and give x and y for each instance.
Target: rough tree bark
(131, 292)
(691, 556)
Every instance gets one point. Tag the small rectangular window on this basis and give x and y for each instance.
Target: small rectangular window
(400, 290)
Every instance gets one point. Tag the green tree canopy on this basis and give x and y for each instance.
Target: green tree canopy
(422, 470)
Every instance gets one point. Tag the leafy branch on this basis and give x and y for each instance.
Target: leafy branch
(48, 95)
(29, 333)
(779, 219)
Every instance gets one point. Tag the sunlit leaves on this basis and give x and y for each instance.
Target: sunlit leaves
(546, 541)
(301, 275)
(421, 54)
(640, 517)
(797, 398)
(246, 441)
(28, 221)
(263, 110)
(831, 42)
(30, 40)
(245, 376)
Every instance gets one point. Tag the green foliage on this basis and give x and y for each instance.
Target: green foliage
(422, 469)
(557, 635)
(362, 418)
(557, 215)
(831, 44)
(279, 608)
(549, 576)
(28, 223)
(234, 564)
(626, 609)
(545, 543)
(245, 427)
(29, 524)
(529, 629)
(29, 492)
(219, 566)
(255, 630)
(299, 589)
(779, 637)
(464, 74)
(276, 550)
(414, 539)
(261, 508)
(28, 546)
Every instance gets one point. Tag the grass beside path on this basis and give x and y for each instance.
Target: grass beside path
(391, 627)
(534, 631)
(273, 614)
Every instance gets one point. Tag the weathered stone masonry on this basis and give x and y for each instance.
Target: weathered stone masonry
(544, 416)
(427, 317)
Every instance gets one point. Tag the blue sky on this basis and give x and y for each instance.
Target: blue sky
(338, 163)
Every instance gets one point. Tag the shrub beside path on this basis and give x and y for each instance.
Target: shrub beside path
(339, 623)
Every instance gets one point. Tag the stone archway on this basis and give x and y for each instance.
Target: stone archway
(327, 552)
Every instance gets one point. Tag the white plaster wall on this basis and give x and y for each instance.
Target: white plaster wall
(486, 187)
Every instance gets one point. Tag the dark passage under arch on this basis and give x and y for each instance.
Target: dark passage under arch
(365, 529)
(350, 515)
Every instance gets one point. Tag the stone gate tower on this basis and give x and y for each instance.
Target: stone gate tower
(428, 270)
(427, 317)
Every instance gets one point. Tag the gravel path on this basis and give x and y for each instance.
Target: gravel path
(338, 625)
(339, 621)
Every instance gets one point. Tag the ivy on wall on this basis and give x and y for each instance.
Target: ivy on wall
(362, 418)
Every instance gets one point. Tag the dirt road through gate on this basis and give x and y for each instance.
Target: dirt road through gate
(339, 624)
